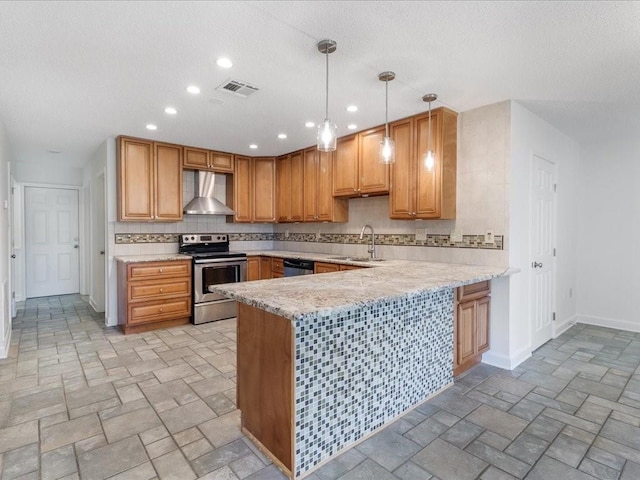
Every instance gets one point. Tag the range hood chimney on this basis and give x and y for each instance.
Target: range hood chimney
(204, 203)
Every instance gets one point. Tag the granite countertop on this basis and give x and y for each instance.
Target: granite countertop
(158, 257)
(325, 257)
(294, 297)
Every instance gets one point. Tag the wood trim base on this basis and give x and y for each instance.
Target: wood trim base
(266, 452)
(467, 365)
(145, 327)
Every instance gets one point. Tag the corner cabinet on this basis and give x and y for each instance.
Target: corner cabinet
(252, 190)
(153, 295)
(201, 159)
(149, 180)
(471, 325)
(356, 170)
(417, 191)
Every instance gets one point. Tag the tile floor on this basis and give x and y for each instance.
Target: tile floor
(78, 400)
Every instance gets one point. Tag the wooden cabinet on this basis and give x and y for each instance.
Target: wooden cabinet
(265, 268)
(153, 295)
(252, 189)
(149, 181)
(357, 171)
(417, 191)
(289, 174)
(253, 268)
(344, 266)
(471, 325)
(201, 159)
(277, 267)
(262, 268)
(319, 203)
(321, 267)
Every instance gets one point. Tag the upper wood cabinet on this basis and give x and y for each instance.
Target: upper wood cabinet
(417, 191)
(149, 180)
(319, 202)
(200, 159)
(289, 173)
(252, 189)
(357, 171)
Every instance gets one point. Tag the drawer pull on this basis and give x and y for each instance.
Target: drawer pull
(162, 290)
(160, 309)
(161, 270)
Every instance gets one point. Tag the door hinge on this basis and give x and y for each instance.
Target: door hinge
(554, 252)
(554, 316)
(555, 187)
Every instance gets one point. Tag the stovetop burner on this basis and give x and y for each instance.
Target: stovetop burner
(207, 245)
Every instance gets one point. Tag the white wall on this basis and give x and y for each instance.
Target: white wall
(530, 135)
(5, 279)
(47, 174)
(609, 229)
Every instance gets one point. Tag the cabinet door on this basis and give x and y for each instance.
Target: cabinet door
(345, 167)
(428, 194)
(482, 319)
(265, 268)
(310, 184)
(253, 268)
(242, 190)
(374, 176)
(168, 182)
(329, 209)
(221, 162)
(297, 187)
(283, 188)
(321, 267)
(264, 189)
(402, 192)
(466, 332)
(196, 158)
(135, 179)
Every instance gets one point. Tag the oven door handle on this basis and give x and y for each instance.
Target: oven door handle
(221, 260)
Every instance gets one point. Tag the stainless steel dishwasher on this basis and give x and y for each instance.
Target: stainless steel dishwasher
(294, 267)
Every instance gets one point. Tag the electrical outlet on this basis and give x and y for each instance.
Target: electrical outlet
(488, 237)
(421, 234)
(318, 235)
(286, 233)
(456, 236)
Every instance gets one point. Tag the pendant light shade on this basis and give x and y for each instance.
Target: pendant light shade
(429, 157)
(327, 130)
(387, 149)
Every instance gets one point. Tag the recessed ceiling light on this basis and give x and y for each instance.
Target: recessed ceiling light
(352, 126)
(352, 108)
(151, 126)
(309, 124)
(253, 146)
(170, 110)
(224, 62)
(282, 136)
(193, 89)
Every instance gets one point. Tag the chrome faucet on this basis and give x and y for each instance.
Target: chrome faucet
(372, 248)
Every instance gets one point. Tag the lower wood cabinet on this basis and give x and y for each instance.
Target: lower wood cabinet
(471, 325)
(261, 268)
(153, 295)
(321, 267)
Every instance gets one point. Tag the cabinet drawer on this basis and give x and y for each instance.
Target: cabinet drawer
(153, 289)
(277, 265)
(326, 267)
(346, 266)
(164, 310)
(142, 271)
(474, 291)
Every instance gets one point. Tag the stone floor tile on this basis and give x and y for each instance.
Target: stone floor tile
(462, 433)
(425, 432)
(494, 440)
(161, 392)
(548, 468)
(631, 471)
(246, 466)
(18, 436)
(129, 393)
(568, 450)
(132, 423)
(448, 462)
(123, 409)
(593, 412)
(389, 449)
(595, 388)
(89, 395)
(111, 459)
(220, 457)
(222, 430)
(219, 403)
(527, 448)
(161, 447)
(365, 471)
(224, 473)
(173, 465)
(411, 471)
(187, 416)
(173, 373)
(579, 434)
(498, 459)
(544, 380)
(497, 421)
(493, 473)
(526, 409)
(69, 432)
(21, 461)
(598, 470)
(454, 403)
(340, 465)
(141, 472)
(272, 473)
(154, 434)
(606, 458)
(623, 433)
(90, 443)
(571, 420)
(197, 449)
(187, 436)
(58, 463)
(489, 400)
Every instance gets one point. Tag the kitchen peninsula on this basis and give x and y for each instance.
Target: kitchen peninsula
(324, 360)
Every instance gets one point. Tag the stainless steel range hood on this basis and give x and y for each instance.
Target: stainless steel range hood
(204, 202)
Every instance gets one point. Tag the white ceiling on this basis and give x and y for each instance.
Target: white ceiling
(75, 73)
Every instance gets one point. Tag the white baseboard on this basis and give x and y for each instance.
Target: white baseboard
(504, 361)
(561, 327)
(627, 325)
(4, 346)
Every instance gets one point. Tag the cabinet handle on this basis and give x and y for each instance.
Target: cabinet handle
(160, 270)
(160, 310)
(537, 265)
(162, 290)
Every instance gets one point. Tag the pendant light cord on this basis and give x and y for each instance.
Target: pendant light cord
(326, 106)
(429, 130)
(386, 108)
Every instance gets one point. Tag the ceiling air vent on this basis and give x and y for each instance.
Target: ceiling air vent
(235, 87)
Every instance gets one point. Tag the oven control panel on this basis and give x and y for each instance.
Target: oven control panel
(195, 238)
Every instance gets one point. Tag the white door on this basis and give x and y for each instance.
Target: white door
(51, 241)
(98, 259)
(543, 235)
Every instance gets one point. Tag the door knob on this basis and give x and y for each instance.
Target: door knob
(101, 252)
(537, 265)
(76, 246)
(13, 255)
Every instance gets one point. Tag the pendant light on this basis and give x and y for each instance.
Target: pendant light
(429, 158)
(387, 149)
(327, 130)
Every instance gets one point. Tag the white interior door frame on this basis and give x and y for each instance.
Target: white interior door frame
(98, 281)
(81, 220)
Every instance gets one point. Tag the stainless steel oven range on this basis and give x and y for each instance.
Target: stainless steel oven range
(213, 264)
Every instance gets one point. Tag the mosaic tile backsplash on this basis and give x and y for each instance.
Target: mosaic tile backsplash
(433, 240)
(384, 359)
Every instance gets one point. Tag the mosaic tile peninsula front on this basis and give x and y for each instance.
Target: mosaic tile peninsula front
(404, 240)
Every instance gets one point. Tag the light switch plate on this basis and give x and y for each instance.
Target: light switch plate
(421, 234)
(318, 235)
(456, 236)
(489, 237)
(286, 233)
